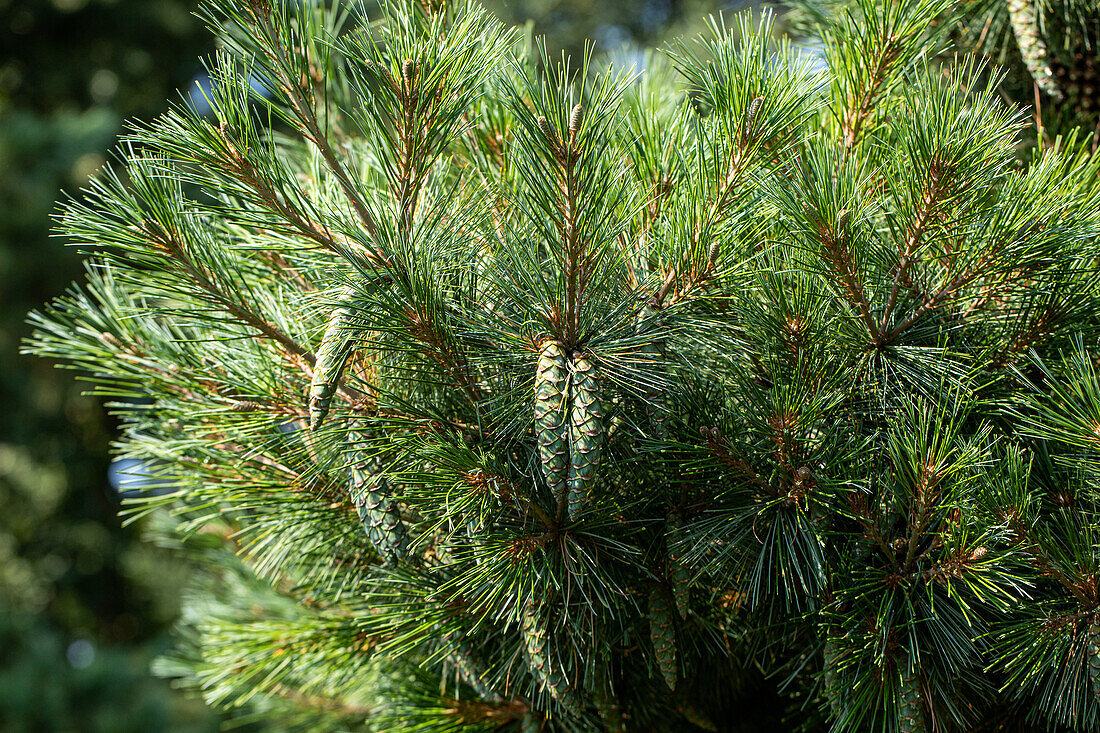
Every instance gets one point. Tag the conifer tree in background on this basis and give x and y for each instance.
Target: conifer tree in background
(544, 395)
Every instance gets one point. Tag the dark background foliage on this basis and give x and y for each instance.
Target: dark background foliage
(84, 606)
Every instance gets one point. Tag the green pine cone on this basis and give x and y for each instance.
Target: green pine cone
(536, 641)
(550, 416)
(1025, 18)
(662, 633)
(336, 347)
(378, 511)
(678, 573)
(910, 702)
(831, 676)
(1094, 658)
(586, 433)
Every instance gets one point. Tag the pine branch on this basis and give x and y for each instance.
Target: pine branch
(169, 243)
(305, 112)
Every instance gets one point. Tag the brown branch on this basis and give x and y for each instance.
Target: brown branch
(871, 530)
(834, 244)
(856, 115)
(1044, 564)
(566, 155)
(737, 165)
(309, 127)
(934, 300)
(240, 166)
(411, 175)
(917, 229)
(927, 482)
(456, 366)
(164, 241)
(318, 702)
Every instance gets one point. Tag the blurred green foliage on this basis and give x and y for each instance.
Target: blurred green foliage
(568, 24)
(83, 605)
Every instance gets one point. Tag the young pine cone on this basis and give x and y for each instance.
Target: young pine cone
(373, 499)
(336, 347)
(551, 424)
(537, 646)
(1093, 651)
(586, 433)
(910, 701)
(1025, 18)
(831, 676)
(662, 634)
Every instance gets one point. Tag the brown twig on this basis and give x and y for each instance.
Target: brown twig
(933, 189)
(310, 127)
(168, 243)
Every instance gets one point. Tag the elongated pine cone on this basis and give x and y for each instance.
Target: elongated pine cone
(1025, 18)
(586, 434)
(551, 413)
(1094, 658)
(373, 499)
(910, 701)
(336, 347)
(539, 656)
(662, 634)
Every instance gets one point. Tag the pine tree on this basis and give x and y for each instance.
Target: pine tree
(717, 391)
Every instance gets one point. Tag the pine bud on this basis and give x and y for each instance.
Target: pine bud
(408, 73)
(244, 406)
(713, 251)
(336, 347)
(842, 220)
(662, 634)
(551, 423)
(575, 120)
(586, 434)
(750, 115)
(550, 133)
